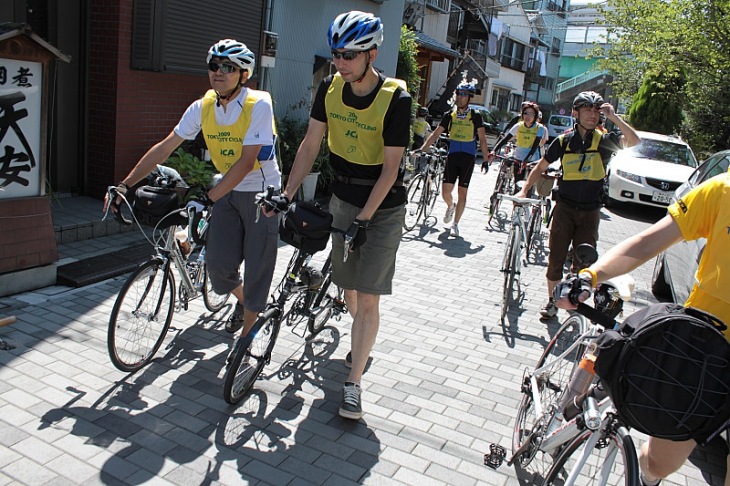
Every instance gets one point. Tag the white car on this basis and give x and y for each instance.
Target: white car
(651, 171)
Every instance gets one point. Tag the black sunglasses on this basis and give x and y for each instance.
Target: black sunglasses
(346, 55)
(225, 67)
(597, 106)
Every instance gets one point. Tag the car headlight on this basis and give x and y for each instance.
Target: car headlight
(629, 176)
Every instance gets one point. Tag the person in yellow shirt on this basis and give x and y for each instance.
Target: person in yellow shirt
(421, 128)
(702, 213)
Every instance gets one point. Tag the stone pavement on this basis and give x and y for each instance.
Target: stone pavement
(443, 383)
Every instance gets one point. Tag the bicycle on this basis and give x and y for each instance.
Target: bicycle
(143, 310)
(505, 184)
(565, 414)
(540, 213)
(516, 240)
(316, 299)
(423, 188)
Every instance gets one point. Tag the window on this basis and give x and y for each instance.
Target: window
(500, 98)
(443, 5)
(515, 102)
(513, 55)
(176, 36)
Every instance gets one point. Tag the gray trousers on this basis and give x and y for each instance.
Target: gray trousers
(234, 236)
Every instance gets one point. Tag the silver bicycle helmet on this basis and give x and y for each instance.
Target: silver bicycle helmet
(236, 52)
(587, 98)
(355, 31)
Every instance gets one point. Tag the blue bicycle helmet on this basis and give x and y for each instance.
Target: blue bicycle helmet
(355, 31)
(467, 87)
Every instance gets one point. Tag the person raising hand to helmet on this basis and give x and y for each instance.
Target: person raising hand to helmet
(584, 153)
(464, 125)
(238, 125)
(366, 117)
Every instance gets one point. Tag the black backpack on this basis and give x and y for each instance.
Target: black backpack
(667, 371)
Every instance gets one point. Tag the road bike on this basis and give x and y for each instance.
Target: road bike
(314, 299)
(567, 430)
(424, 187)
(540, 213)
(144, 308)
(516, 241)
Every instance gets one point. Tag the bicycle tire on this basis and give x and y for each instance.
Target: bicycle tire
(548, 213)
(508, 269)
(534, 231)
(552, 383)
(213, 301)
(141, 316)
(414, 202)
(494, 200)
(618, 439)
(323, 303)
(256, 346)
(431, 197)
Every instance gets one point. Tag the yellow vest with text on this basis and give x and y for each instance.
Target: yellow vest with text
(420, 127)
(526, 136)
(357, 135)
(225, 142)
(583, 167)
(462, 128)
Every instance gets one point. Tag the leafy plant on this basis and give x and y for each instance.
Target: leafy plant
(291, 133)
(196, 172)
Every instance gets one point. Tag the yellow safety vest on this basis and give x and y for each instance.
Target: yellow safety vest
(357, 135)
(225, 142)
(526, 136)
(461, 129)
(583, 167)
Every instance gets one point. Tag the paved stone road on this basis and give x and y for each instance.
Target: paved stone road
(442, 386)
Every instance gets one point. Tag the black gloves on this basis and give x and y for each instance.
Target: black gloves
(356, 235)
(205, 200)
(576, 288)
(280, 203)
(485, 166)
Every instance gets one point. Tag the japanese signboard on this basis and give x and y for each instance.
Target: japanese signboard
(20, 128)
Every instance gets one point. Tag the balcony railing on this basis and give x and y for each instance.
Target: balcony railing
(443, 5)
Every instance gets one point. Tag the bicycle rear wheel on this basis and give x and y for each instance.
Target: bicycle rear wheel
(141, 316)
(414, 202)
(534, 231)
(213, 301)
(612, 460)
(250, 355)
(552, 382)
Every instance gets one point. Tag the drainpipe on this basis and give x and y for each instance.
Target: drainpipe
(267, 26)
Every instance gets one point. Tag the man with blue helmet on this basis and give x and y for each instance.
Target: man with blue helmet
(367, 120)
(238, 125)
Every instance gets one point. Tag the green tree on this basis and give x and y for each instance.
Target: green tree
(655, 108)
(407, 67)
(672, 40)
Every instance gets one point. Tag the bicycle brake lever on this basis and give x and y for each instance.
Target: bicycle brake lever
(348, 245)
(258, 213)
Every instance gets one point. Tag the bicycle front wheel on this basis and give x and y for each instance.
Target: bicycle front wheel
(324, 302)
(612, 460)
(511, 251)
(141, 316)
(250, 355)
(213, 301)
(552, 382)
(534, 231)
(414, 202)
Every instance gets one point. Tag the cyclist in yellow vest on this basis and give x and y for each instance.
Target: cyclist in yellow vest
(584, 153)
(238, 126)
(367, 120)
(529, 136)
(421, 128)
(464, 126)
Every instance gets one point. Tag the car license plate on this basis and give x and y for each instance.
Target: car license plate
(660, 197)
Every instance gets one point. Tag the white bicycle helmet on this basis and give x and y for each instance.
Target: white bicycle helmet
(236, 51)
(355, 31)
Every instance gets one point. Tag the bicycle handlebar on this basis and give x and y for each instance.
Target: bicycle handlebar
(116, 207)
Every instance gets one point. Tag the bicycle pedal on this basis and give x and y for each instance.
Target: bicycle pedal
(496, 456)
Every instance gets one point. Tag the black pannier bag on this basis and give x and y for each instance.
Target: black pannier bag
(667, 371)
(152, 204)
(306, 226)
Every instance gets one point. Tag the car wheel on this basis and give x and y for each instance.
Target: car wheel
(607, 201)
(659, 285)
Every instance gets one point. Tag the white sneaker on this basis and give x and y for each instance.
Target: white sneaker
(449, 213)
(454, 233)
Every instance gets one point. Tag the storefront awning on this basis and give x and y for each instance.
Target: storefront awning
(431, 44)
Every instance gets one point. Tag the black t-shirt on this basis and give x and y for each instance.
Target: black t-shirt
(396, 133)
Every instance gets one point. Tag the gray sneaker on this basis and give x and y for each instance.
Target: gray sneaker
(449, 213)
(549, 310)
(351, 407)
